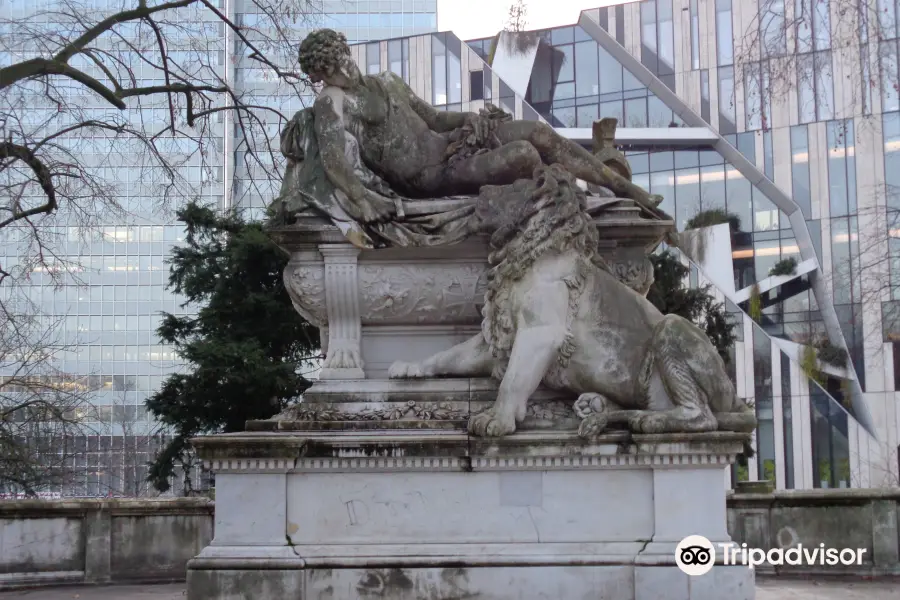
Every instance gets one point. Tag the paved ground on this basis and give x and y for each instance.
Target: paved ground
(769, 589)
(114, 592)
(766, 590)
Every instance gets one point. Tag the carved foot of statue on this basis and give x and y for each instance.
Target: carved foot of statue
(655, 200)
(593, 425)
(677, 420)
(343, 358)
(406, 370)
(493, 422)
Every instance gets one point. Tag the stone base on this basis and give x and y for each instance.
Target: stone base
(439, 515)
(412, 404)
(528, 582)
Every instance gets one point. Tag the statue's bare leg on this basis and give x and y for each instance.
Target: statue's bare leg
(554, 148)
(516, 160)
(471, 358)
(539, 335)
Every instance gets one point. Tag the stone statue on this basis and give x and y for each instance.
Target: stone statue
(554, 313)
(377, 143)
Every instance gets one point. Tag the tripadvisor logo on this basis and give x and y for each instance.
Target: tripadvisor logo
(696, 555)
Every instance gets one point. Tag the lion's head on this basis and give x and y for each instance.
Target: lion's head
(530, 219)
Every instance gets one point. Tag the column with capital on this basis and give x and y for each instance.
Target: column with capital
(343, 359)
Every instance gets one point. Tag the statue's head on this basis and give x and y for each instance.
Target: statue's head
(325, 56)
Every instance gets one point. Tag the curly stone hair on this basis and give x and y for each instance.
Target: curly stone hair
(322, 49)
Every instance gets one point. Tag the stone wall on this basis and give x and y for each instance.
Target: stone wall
(100, 541)
(846, 518)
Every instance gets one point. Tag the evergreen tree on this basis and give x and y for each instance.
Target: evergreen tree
(671, 296)
(246, 348)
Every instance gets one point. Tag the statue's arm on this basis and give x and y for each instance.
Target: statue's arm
(437, 120)
(330, 134)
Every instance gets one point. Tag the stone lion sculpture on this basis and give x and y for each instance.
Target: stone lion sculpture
(555, 314)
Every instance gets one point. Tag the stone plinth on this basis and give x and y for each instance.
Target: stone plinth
(436, 514)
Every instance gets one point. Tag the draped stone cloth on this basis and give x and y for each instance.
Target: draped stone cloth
(306, 187)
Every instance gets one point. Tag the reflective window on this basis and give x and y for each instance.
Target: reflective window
(772, 29)
(704, 96)
(648, 35)
(657, 36)
(373, 59)
(586, 69)
(438, 70)
(890, 67)
(757, 96)
(476, 85)
(724, 33)
(765, 432)
(586, 115)
(564, 63)
(815, 87)
(887, 18)
(844, 260)
(768, 155)
(726, 101)
(695, 35)
(800, 169)
(766, 216)
(841, 167)
(666, 33)
(454, 69)
(891, 133)
(611, 82)
(398, 58)
(562, 35)
(488, 78)
(830, 448)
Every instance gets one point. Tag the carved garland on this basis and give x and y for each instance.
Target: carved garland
(441, 411)
(412, 410)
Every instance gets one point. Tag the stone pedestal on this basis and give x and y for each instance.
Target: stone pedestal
(374, 307)
(434, 514)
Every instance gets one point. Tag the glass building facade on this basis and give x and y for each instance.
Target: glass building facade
(810, 143)
(108, 316)
(823, 132)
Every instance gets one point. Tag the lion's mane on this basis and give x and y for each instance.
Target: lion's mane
(555, 223)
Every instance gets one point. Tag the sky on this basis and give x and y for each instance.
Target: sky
(472, 19)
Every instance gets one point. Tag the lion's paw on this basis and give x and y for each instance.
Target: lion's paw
(492, 423)
(406, 370)
(499, 370)
(343, 358)
(591, 403)
(592, 426)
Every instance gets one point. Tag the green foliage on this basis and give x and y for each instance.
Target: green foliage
(755, 310)
(809, 364)
(671, 296)
(824, 473)
(832, 355)
(714, 216)
(842, 471)
(246, 347)
(785, 266)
